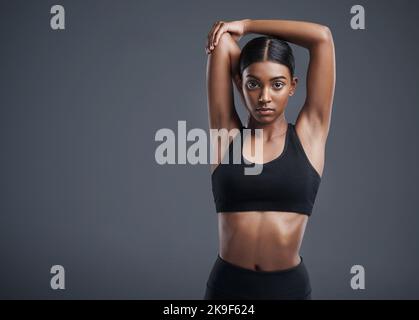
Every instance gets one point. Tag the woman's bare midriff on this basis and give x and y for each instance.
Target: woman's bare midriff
(261, 240)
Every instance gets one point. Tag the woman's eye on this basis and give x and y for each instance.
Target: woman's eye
(251, 84)
(278, 85)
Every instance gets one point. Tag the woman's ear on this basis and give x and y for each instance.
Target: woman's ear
(294, 83)
(238, 82)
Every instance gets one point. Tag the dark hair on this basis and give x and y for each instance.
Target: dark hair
(267, 48)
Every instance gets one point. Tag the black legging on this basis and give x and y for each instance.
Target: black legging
(228, 281)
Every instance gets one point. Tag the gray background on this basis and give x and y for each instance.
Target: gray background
(80, 187)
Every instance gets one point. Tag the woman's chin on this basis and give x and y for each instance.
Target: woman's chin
(269, 118)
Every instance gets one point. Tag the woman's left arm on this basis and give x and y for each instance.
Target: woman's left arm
(321, 74)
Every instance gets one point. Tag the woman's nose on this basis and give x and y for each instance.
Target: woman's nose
(265, 98)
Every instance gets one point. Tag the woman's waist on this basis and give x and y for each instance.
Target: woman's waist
(261, 259)
(266, 240)
(257, 244)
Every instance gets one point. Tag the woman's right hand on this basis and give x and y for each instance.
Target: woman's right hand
(237, 29)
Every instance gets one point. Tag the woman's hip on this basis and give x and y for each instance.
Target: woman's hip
(229, 281)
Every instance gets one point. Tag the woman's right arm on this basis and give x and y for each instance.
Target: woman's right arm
(222, 70)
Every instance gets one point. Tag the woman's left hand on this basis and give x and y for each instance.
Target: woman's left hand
(236, 28)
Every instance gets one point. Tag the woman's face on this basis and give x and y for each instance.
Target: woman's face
(267, 84)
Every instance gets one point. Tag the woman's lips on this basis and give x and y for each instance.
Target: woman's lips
(264, 111)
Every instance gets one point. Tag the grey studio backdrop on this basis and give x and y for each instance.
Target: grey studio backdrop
(80, 186)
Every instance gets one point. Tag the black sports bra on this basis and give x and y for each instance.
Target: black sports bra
(287, 183)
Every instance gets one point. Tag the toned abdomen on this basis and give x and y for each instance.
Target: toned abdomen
(261, 240)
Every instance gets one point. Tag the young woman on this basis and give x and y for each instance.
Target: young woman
(262, 218)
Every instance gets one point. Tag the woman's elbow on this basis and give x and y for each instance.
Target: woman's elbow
(326, 34)
(225, 42)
